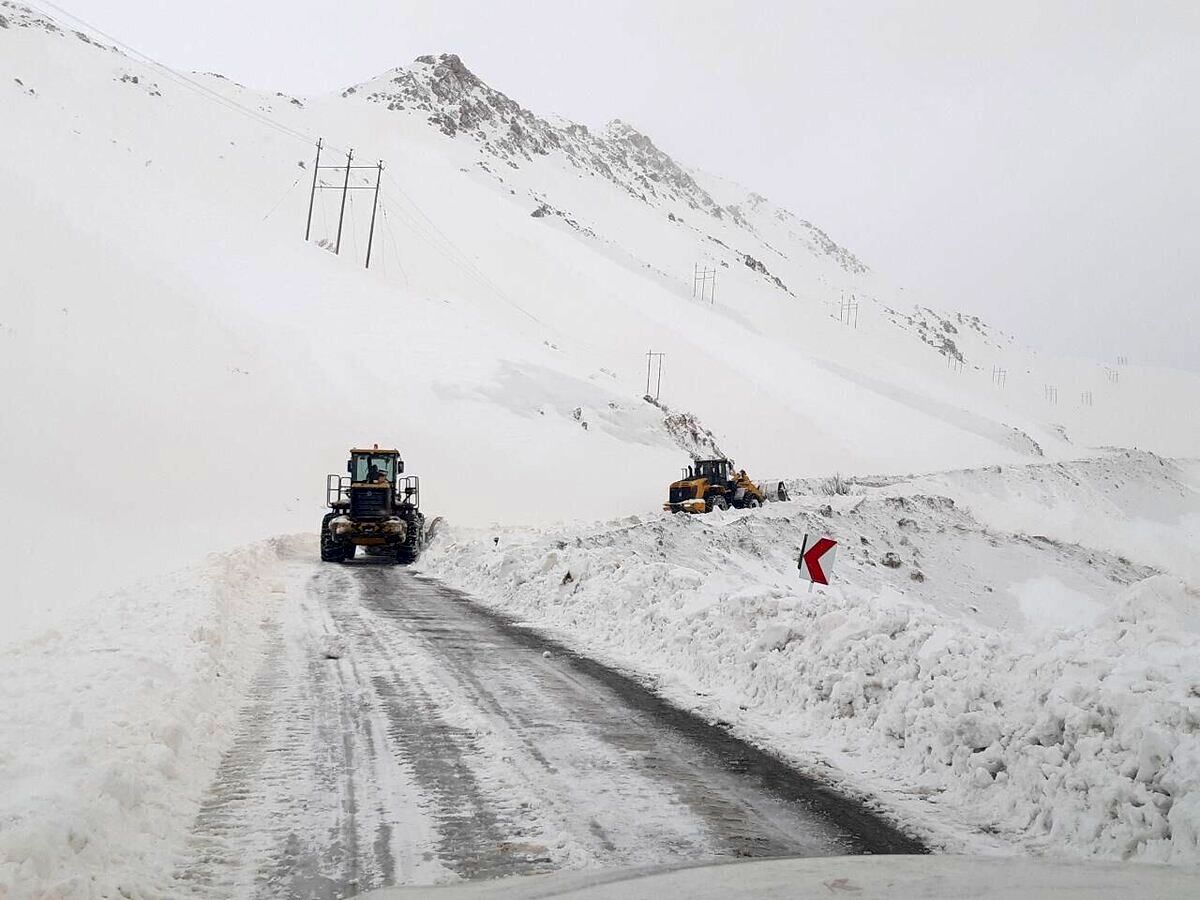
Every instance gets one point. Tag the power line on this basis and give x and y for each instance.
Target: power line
(279, 202)
(453, 252)
(387, 227)
(448, 247)
(181, 79)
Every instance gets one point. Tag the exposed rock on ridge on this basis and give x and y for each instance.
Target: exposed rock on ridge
(459, 103)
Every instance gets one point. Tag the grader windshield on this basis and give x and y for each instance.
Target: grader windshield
(373, 465)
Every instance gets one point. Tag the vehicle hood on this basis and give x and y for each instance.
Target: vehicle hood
(850, 877)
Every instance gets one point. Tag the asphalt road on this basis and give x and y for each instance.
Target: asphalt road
(398, 733)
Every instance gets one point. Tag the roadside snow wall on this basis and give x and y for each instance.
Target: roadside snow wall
(113, 727)
(1064, 719)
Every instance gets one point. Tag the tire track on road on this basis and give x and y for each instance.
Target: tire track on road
(399, 733)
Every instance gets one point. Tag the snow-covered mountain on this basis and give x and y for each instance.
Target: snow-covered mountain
(458, 102)
(162, 312)
(180, 369)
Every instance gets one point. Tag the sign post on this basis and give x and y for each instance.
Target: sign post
(816, 562)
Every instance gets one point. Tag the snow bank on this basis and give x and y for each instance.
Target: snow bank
(114, 726)
(1130, 503)
(1080, 739)
(166, 340)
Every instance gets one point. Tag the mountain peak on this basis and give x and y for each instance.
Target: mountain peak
(460, 104)
(448, 68)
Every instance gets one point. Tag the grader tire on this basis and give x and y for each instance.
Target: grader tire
(331, 550)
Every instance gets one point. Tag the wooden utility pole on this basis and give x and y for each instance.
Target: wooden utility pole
(704, 283)
(337, 247)
(650, 357)
(312, 195)
(346, 187)
(374, 207)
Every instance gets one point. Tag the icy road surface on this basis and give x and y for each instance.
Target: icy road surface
(399, 734)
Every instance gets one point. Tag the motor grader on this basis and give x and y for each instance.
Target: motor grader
(709, 484)
(374, 506)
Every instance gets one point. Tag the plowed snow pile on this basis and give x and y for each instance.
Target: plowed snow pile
(1044, 692)
(179, 369)
(113, 726)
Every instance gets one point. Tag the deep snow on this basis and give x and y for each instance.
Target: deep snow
(114, 722)
(178, 370)
(1025, 688)
(162, 318)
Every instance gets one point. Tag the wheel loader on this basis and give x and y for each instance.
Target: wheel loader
(374, 506)
(709, 484)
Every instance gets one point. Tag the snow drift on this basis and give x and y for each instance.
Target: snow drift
(114, 723)
(1036, 690)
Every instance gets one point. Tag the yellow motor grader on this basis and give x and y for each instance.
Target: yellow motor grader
(374, 506)
(709, 484)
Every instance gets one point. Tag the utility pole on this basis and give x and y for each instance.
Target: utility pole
(345, 187)
(312, 195)
(704, 283)
(848, 311)
(374, 207)
(337, 247)
(650, 357)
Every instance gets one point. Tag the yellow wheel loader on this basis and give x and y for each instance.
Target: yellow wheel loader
(709, 484)
(374, 506)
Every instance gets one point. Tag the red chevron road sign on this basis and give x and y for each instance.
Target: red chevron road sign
(816, 562)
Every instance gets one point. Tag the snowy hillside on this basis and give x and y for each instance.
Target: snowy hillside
(180, 369)
(162, 317)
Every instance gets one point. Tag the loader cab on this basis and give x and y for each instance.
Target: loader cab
(715, 470)
(374, 466)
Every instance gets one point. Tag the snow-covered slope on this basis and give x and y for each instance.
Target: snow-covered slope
(1004, 653)
(178, 370)
(162, 318)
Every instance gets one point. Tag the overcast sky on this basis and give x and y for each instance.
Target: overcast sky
(1036, 163)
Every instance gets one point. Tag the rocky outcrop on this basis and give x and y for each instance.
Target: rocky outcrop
(461, 105)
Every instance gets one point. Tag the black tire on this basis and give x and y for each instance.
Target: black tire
(331, 550)
(719, 502)
(751, 503)
(408, 552)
